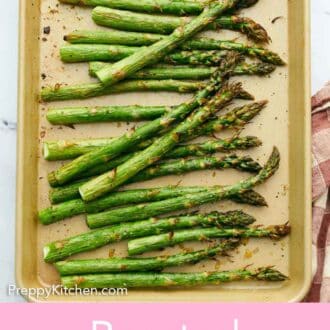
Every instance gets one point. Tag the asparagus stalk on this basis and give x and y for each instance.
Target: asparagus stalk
(59, 250)
(164, 71)
(146, 131)
(76, 206)
(116, 177)
(118, 265)
(137, 22)
(85, 91)
(150, 243)
(238, 117)
(154, 53)
(86, 53)
(153, 6)
(143, 211)
(190, 72)
(72, 149)
(68, 149)
(145, 39)
(181, 166)
(66, 193)
(131, 280)
(112, 37)
(80, 115)
(213, 146)
(263, 54)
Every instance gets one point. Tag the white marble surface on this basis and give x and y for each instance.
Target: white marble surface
(8, 59)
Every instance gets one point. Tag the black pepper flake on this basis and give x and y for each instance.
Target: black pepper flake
(276, 19)
(46, 29)
(43, 76)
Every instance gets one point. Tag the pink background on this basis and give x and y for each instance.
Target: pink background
(165, 316)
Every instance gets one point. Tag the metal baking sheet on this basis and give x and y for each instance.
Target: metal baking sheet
(285, 123)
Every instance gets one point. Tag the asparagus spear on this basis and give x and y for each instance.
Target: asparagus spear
(68, 149)
(154, 53)
(206, 44)
(72, 149)
(153, 6)
(137, 22)
(76, 206)
(79, 115)
(170, 279)
(132, 139)
(116, 177)
(181, 166)
(84, 91)
(212, 146)
(86, 53)
(150, 243)
(118, 265)
(144, 39)
(142, 211)
(238, 117)
(93, 239)
(190, 72)
(129, 280)
(66, 193)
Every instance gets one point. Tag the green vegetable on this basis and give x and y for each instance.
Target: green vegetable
(118, 265)
(143, 211)
(150, 243)
(91, 240)
(129, 280)
(116, 177)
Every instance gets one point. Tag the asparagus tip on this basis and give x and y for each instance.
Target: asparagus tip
(253, 141)
(269, 274)
(263, 69)
(253, 30)
(245, 95)
(271, 165)
(279, 231)
(261, 104)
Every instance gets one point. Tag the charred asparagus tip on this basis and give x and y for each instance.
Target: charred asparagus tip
(266, 68)
(269, 274)
(272, 165)
(279, 231)
(262, 103)
(245, 95)
(255, 31)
